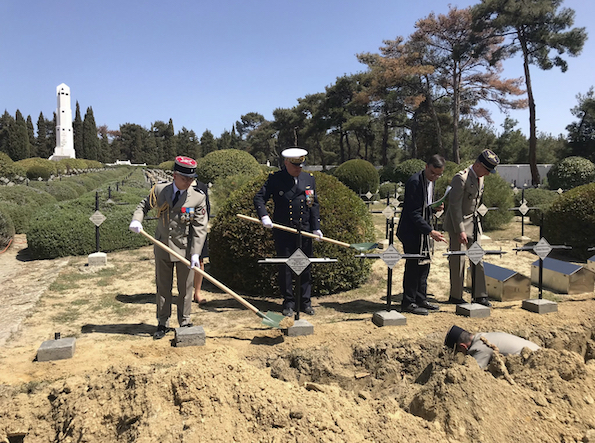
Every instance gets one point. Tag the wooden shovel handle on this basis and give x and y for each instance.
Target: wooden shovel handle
(295, 231)
(201, 272)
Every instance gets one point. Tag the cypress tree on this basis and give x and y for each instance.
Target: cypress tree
(31, 132)
(19, 147)
(90, 140)
(5, 122)
(41, 140)
(77, 127)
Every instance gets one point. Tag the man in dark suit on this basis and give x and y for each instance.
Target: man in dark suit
(296, 205)
(414, 231)
(182, 226)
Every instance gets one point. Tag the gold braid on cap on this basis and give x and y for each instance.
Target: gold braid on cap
(163, 209)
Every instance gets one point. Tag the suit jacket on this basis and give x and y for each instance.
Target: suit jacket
(463, 200)
(293, 202)
(415, 220)
(186, 238)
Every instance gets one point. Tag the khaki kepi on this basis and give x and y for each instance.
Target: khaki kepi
(295, 155)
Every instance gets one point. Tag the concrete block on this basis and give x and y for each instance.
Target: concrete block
(540, 306)
(98, 259)
(389, 318)
(300, 327)
(473, 310)
(192, 336)
(56, 349)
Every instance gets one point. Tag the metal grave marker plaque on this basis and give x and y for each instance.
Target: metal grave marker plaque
(388, 212)
(542, 248)
(391, 256)
(483, 210)
(298, 261)
(475, 253)
(369, 195)
(523, 209)
(97, 218)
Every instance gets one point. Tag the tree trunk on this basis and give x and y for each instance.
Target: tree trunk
(456, 98)
(434, 118)
(535, 179)
(385, 141)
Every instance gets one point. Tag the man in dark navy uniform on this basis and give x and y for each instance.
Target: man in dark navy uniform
(296, 206)
(415, 230)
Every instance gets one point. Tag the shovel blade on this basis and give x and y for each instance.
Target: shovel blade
(274, 320)
(364, 246)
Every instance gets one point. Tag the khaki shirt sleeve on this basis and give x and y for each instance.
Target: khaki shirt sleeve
(456, 203)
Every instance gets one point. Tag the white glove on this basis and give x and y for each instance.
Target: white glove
(194, 261)
(266, 222)
(318, 232)
(135, 226)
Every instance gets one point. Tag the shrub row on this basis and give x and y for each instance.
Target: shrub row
(236, 245)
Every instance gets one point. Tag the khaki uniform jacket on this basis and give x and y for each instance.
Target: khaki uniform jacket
(186, 238)
(463, 201)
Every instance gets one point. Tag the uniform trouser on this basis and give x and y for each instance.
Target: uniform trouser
(457, 270)
(285, 245)
(164, 274)
(415, 278)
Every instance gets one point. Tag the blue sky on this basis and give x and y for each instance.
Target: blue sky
(206, 63)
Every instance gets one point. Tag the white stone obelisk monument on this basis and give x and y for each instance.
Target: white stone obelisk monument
(64, 134)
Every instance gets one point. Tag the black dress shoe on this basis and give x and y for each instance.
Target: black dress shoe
(483, 301)
(456, 301)
(308, 310)
(288, 312)
(429, 306)
(414, 309)
(187, 325)
(160, 332)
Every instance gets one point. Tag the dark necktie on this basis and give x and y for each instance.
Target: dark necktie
(177, 196)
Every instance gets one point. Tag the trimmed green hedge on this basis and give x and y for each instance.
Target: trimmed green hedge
(404, 170)
(9, 169)
(7, 230)
(224, 163)
(570, 220)
(236, 245)
(358, 175)
(570, 173)
(64, 228)
(38, 168)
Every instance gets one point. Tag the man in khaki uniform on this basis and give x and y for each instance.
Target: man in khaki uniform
(464, 199)
(182, 226)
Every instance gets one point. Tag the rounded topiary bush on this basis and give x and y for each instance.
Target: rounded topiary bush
(570, 220)
(226, 162)
(7, 230)
(236, 245)
(406, 169)
(358, 175)
(167, 166)
(387, 189)
(36, 167)
(9, 169)
(570, 173)
(497, 194)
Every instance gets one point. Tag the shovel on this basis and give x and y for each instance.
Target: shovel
(271, 319)
(357, 246)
